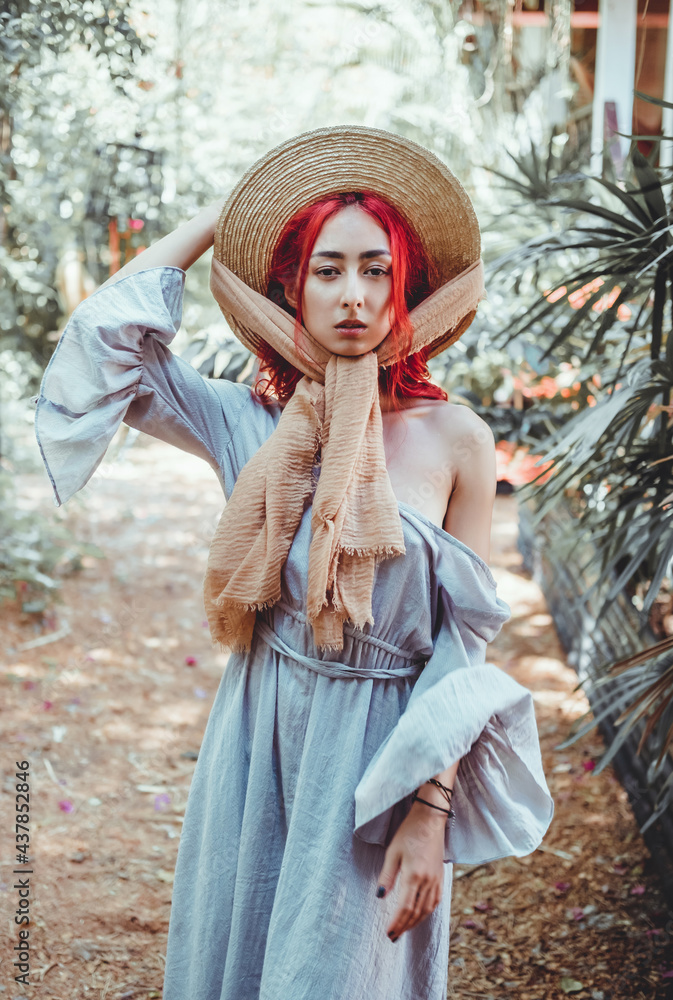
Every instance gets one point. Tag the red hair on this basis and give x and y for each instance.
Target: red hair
(412, 272)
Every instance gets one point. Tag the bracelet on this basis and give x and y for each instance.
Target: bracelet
(449, 812)
(446, 792)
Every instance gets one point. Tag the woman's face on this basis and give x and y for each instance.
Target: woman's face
(348, 280)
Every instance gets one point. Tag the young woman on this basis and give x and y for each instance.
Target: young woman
(358, 743)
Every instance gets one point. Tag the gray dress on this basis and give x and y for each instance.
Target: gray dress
(309, 759)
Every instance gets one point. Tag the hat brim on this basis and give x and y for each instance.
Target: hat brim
(342, 158)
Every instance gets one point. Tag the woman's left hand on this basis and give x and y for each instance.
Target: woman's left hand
(417, 850)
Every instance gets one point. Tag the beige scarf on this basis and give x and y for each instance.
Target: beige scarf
(334, 413)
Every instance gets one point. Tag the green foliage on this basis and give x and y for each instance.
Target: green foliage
(643, 695)
(621, 448)
(35, 553)
(48, 49)
(599, 283)
(32, 27)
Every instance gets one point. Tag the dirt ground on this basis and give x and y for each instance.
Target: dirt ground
(107, 694)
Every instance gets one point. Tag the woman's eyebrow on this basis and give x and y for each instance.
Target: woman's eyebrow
(365, 255)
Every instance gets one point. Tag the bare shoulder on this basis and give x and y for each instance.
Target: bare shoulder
(472, 454)
(459, 424)
(454, 428)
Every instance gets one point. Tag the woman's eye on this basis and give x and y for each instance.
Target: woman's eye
(376, 270)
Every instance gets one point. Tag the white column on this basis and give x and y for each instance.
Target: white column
(666, 151)
(615, 73)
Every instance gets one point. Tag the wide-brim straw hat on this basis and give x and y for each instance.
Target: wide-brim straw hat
(336, 159)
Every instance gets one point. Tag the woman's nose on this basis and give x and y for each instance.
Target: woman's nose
(352, 293)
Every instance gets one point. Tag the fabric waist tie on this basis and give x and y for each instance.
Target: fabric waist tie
(330, 668)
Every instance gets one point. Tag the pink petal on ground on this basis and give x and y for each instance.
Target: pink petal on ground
(562, 886)
(66, 806)
(191, 661)
(588, 765)
(638, 890)
(473, 925)
(483, 906)
(578, 913)
(46, 705)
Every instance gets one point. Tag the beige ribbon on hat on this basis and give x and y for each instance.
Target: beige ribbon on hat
(333, 413)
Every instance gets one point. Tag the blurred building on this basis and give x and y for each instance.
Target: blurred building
(595, 54)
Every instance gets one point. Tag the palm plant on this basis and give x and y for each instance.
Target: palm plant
(602, 278)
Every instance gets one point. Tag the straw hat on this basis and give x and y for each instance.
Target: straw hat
(337, 159)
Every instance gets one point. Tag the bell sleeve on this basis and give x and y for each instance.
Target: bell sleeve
(113, 364)
(463, 708)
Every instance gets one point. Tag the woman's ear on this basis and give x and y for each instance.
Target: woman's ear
(290, 296)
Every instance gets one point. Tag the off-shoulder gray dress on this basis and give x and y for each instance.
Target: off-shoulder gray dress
(309, 760)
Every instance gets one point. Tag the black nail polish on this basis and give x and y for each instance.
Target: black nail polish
(381, 891)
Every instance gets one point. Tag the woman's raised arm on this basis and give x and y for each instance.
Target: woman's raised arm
(113, 364)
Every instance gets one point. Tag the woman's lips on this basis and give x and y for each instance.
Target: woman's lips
(351, 331)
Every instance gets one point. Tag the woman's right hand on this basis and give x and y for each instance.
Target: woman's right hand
(416, 852)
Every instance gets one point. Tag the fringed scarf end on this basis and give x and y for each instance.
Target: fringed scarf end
(225, 601)
(331, 647)
(378, 551)
(231, 645)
